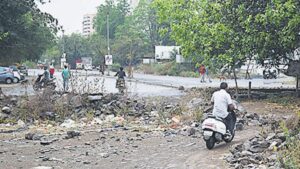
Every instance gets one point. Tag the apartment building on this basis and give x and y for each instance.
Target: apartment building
(87, 24)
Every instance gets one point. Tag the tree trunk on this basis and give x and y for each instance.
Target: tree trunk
(297, 86)
(236, 85)
(247, 71)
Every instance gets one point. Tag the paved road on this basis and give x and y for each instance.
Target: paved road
(146, 85)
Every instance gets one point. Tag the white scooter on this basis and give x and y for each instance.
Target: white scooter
(214, 131)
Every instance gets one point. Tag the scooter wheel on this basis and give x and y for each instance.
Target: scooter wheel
(210, 143)
(230, 139)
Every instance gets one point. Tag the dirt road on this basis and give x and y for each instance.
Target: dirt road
(118, 149)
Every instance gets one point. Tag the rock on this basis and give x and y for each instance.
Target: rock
(109, 118)
(3, 116)
(246, 153)
(68, 123)
(239, 126)
(254, 123)
(76, 101)
(270, 136)
(6, 110)
(21, 123)
(96, 121)
(259, 148)
(119, 121)
(104, 155)
(176, 119)
(194, 103)
(154, 114)
(169, 106)
(14, 100)
(47, 115)
(230, 159)
(33, 136)
(262, 167)
(253, 116)
(191, 131)
(86, 162)
(42, 167)
(94, 98)
(195, 124)
(273, 146)
(181, 88)
(258, 157)
(46, 142)
(97, 113)
(72, 134)
(281, 136)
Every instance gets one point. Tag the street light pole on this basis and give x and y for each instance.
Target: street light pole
(107, 31)
(107, 28)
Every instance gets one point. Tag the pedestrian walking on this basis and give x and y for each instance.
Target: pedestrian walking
(66, 76)
(52, 70)
(202, 73)
(207, 74)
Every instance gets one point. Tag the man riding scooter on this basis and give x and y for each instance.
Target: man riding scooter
(223, 107)
(46, 77)
(120, 84)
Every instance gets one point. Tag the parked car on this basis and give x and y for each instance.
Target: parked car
(17, 75)
(6, 75)
(88, 67)
(23, 69)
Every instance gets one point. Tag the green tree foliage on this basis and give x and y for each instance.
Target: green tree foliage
(75, 46)
(133, 33)
(117, 13)
(25, 31)
(231, 31)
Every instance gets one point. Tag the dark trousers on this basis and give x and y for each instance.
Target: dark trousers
(230, 121)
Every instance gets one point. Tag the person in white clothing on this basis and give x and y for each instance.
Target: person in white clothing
(223, 107)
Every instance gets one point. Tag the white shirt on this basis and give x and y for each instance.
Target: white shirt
(221, 101)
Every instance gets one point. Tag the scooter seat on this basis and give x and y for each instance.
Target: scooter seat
(215, 117)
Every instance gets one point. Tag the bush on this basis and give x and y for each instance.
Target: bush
(189, 74)
(115, 67)
(170, 69)
(289, 156)
(30, 64)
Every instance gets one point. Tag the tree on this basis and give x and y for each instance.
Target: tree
(75, 46)
(116, 12)
(231, 31)
(25, 31)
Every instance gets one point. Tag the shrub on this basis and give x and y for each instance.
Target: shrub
(189, 74)
(289, 156)
(115, 67)
(30, 64)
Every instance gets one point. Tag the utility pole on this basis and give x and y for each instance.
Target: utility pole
(107, 28)
(107, 31)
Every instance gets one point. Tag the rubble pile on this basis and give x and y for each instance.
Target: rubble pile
(260, 151)
(97, 107)
(257, 152)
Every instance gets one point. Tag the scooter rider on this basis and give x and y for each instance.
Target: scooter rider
(222, 103)
(46, 75)
(121, 75)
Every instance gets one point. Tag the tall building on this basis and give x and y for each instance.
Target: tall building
(133, 3)
(87, 24)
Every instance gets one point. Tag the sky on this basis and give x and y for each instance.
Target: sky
(69, 13)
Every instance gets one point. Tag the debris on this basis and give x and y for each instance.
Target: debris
(6, 110)
(68, 123)
(72, 134)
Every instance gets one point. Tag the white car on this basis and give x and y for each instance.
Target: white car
(88, 67)
(17, 75)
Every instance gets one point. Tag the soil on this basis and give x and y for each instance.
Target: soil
(121, 149)
(125, 149)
